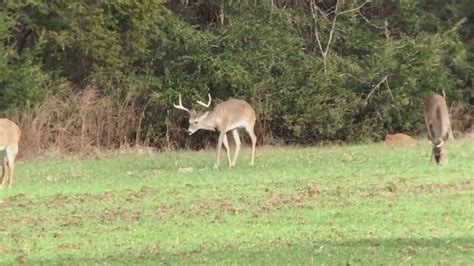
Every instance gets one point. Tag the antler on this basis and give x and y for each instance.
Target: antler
(208, 103)
(441, 143)
(180, 105)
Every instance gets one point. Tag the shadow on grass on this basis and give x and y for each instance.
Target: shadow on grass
(447, 250)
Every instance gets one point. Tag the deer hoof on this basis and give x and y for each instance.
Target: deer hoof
(215, 167)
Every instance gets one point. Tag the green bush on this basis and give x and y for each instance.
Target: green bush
(384, 59)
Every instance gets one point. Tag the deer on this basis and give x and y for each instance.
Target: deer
(9, 138)
(439, 127)
(398, 139)
(226, 116)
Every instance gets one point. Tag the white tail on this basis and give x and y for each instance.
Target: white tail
(226, 116)
(9, 138)
(438, 125)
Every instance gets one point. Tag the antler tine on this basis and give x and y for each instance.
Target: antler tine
(208, 103)
(180, 105)
(441, 143)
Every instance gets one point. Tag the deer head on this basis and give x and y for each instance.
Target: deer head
(438, 150)
(197, 120)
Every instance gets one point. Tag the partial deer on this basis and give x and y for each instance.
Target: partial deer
(9, 138)
(398, 139)
(226, 116)
(439, 127)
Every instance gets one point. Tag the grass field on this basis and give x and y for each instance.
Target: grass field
(365, 204)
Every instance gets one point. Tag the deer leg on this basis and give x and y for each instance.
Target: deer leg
(4, 170)
(226, 146)
(11, 172)
(430, 137)
(451, 136)
(11, 167)
(219, 146)
(235, 133)
(254, 143)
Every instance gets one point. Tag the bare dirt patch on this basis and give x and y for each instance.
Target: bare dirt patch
(28, 220)
(121, 214)
(5, 250)
(227, 206)
(17, 201)
(399, 188)
(70, 221)
(68, 246)
(102, 197)
(61, 201)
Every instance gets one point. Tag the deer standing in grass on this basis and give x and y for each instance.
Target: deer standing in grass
(9, 138)
(439, 127)
(226, 116)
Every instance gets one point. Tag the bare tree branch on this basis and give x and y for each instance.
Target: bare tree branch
(319, 42)
(375, 88)
(316, 7)
(351, 10)
(393, 99)
(316, 32)
(389, 90)
(333, 26)
(314, 12)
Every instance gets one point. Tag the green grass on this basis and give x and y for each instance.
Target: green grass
(365, 204)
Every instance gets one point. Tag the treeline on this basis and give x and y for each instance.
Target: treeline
(81, 75)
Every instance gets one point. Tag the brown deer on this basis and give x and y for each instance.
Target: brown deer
(9, 138)
(439, 127)
(226, 116)
(398, 139)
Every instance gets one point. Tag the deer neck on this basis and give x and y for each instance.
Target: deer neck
(210, 122)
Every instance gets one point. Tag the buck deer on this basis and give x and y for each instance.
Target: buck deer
(439, 127)
(9, 138)
(226, 116)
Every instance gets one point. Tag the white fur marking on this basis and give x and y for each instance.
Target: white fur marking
(239, 124)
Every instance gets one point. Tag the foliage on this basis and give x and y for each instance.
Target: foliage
(368, 79)
(21, 77)
(84, 123)
(333, 205)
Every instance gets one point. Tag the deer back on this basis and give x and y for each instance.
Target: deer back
(398, 139)
(233, 113)
(437, 118)
(9, 133)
